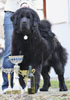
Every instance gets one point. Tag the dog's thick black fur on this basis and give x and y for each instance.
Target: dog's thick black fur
(41, 49)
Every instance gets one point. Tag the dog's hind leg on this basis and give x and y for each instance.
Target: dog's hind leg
(60, 72)
(46, 78)
(62, 83)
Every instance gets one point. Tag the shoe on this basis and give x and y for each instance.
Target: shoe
(4, 91)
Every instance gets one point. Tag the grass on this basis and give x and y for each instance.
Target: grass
(55, 84)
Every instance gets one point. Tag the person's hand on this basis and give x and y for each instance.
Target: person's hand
(24, 5)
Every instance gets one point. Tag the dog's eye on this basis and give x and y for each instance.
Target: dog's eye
(22, 16)
(28, 16)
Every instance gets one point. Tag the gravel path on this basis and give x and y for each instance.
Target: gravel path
(52, 94)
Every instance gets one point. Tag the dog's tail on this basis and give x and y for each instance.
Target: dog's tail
(61, 52)
(45, 29)
(63, 55)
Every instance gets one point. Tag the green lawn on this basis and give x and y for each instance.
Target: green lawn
(55, 84)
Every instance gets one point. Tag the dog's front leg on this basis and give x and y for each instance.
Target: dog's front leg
(37, 78)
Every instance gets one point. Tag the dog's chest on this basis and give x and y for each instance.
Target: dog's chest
(29, 45)
(31, 50)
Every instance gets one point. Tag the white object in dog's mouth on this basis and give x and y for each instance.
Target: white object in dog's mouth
(25, 37)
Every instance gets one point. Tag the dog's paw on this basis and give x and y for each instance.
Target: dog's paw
(43, 89)
(63, 88)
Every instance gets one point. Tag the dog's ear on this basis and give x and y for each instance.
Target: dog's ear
(36, 19)
(14, 18)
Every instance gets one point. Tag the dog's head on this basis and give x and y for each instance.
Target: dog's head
(24, 19)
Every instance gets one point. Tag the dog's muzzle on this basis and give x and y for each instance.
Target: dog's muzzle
(24, 24)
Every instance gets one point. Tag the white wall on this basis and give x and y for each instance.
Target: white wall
(68, 11)
(39, 6)
(57, 10)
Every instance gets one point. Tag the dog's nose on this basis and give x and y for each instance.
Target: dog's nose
(24, 20)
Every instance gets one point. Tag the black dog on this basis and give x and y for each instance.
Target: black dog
(35, 40)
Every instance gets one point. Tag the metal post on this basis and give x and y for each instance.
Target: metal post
(44, 9)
